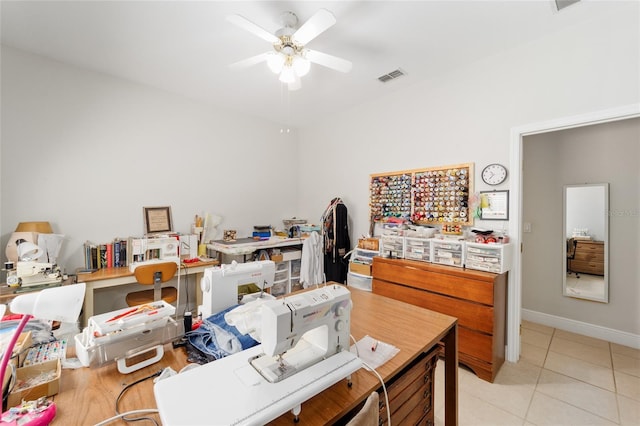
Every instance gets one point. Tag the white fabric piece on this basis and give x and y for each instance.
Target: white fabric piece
(312, 262)
(247, 318)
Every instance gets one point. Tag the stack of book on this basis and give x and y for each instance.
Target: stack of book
(107, 255)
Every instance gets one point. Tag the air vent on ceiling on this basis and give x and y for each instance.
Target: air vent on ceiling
(561, 4)
(392, 75)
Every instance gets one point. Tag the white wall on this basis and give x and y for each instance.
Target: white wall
(584, 207)
(86, 152)
(467, 115)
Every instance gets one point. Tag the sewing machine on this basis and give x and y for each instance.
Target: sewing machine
(304, 350)
(145, 250)
(301, 330)
(31, 273)
(125, 334)
(220, 284)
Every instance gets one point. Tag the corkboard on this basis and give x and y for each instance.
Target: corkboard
(430, 196)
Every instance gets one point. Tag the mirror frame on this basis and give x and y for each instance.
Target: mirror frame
(605, 186)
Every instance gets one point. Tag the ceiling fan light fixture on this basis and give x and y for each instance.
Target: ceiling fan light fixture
(287, 75)
(296, 84)
(301, 66)
(290, 59)
(275, 62)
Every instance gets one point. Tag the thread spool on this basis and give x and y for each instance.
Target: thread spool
(187, 322)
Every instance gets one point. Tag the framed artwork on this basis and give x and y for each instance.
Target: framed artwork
(494, 205)
(157, 220)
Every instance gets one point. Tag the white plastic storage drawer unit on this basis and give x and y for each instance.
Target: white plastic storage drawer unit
(494, 258)
(447, 252)
(362, 282)
(417, 249)
(361, 260)
(392, 246)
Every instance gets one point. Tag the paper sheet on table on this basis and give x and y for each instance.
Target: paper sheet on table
(374, 358)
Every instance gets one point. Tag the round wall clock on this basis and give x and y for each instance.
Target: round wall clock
(494, 174)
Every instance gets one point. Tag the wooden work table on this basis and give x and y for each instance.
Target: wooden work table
(112, 277)
(88, 396)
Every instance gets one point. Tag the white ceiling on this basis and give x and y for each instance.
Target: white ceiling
(185, 47)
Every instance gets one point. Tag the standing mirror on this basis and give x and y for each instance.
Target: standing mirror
(586, 236)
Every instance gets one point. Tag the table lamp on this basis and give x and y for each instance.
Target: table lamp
(28, 251)
(28, 231)
(56, 304)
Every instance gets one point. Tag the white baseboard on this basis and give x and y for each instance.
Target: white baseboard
(596, 331)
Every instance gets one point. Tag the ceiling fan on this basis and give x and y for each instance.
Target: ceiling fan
(290, 58)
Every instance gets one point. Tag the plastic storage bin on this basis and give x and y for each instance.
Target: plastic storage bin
(494, 258)
(362, 282)
(447, 252)
(392, 246)
(417, 249)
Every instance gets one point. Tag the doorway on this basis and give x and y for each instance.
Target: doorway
(514, 301)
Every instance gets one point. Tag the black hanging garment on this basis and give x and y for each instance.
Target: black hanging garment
(335, 230)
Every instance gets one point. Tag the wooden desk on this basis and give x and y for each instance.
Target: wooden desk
(88, 396)
(113, 277)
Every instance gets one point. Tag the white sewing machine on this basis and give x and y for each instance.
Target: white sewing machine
(220, 284)
(301, 330)
(304, 350)
(30, 273)
(150, 250)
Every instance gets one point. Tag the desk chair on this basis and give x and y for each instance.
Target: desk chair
(369, 414)
(572, 244)
(154, 274)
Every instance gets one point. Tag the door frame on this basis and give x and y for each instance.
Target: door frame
(514, 298)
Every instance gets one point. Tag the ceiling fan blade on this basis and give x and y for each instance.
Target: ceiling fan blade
(246, 24)
(328, 61)
(316, 25)
(245, 63)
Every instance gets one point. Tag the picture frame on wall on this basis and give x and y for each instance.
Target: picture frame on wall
(494, 205)
(157, 220)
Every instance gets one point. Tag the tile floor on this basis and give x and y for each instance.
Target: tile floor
(562, 378)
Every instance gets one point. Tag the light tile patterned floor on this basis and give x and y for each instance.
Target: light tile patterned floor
(561, 379)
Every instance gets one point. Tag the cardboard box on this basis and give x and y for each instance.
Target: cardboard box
(20, 349)
(369, 243)
(50, 385)
(360, 268)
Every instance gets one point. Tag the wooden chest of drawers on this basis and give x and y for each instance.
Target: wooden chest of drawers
(476, 298)
(589, 258)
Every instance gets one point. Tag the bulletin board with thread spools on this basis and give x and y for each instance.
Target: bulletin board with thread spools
(431, 196)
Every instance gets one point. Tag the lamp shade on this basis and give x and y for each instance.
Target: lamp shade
(55, 304)
(28, 251)
(275, 62)
(41, 227)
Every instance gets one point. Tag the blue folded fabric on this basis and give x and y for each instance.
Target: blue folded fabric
(217, 338)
